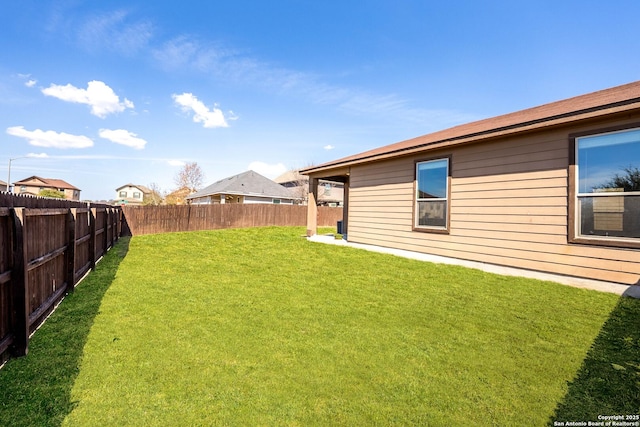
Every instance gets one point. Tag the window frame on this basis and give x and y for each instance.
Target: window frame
(426, 228)
(574, 235)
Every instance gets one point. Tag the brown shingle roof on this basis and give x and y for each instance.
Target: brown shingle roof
(46, 182)
(619, 98)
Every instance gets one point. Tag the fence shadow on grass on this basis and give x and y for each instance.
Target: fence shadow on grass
(36, 389)
(608, 382)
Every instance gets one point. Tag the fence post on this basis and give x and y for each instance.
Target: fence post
(70, 254)
(19, 286)
(112, 235)
(92, 238)
(105, 234)
(118, 223)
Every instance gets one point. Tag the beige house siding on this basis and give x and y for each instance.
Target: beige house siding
(509, 206)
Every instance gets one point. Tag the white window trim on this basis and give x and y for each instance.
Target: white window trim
(588, 238)
(430, 228)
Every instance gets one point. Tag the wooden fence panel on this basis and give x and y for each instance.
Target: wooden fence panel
(142, 220)
(329, 217)
(45, 239)
(45, 247)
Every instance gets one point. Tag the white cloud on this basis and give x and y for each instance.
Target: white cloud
(329, 147)
(38, 155)
(102, 99)
(123, 137)
(176, 163)
(30, 83)
(213, 118)
(270, 171)
(50, 139)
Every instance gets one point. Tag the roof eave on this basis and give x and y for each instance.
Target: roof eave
(231, 193)
(562, 119)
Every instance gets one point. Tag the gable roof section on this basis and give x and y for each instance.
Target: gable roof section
(142, 188)
(34, 181)
(607, 101)
(248, 183)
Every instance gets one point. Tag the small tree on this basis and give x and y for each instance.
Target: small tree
(190, 176)
(629, 181)
(53, 194)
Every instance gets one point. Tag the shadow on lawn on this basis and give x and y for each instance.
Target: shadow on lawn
(608, 382)
(36, 389)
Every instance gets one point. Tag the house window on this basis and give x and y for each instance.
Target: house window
(607, 187)
(23, 189)
(432, 195)
(276, 201)
(122, 194)
(327, 189)
(136, 194)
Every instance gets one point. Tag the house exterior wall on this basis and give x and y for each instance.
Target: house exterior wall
(130, 193)
(234, 198)
(268, 200)
(509, 205)
(35, 187)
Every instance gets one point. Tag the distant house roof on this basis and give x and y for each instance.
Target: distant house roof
(607, 101)
(248, 183)
(142, 188)
(291, 176)
(294, 176)
(34, 181)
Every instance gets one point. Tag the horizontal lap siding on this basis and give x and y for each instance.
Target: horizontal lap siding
(508, 207)
(380, 199)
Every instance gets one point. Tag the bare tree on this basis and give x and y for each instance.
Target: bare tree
(299, 184)
(190, 176)
(156, 196)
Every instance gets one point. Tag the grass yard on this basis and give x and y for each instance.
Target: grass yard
(261, 327)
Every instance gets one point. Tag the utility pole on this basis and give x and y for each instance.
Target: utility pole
(9, 177)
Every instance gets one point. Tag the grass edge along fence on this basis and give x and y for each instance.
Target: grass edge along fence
(141, 220)
(46, 247)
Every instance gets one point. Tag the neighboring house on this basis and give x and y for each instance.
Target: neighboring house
(535, 189)
(34, 184)
(247, 187)
(329, 193)
(3, 185)
(131, 194)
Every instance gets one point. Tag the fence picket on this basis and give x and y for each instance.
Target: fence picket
(19, 286)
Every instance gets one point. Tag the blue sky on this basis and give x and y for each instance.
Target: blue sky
(102, 94)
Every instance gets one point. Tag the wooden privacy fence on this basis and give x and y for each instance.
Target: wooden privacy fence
(44, 251)
(165, 219)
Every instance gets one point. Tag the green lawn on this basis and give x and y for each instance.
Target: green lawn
(261, 327)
